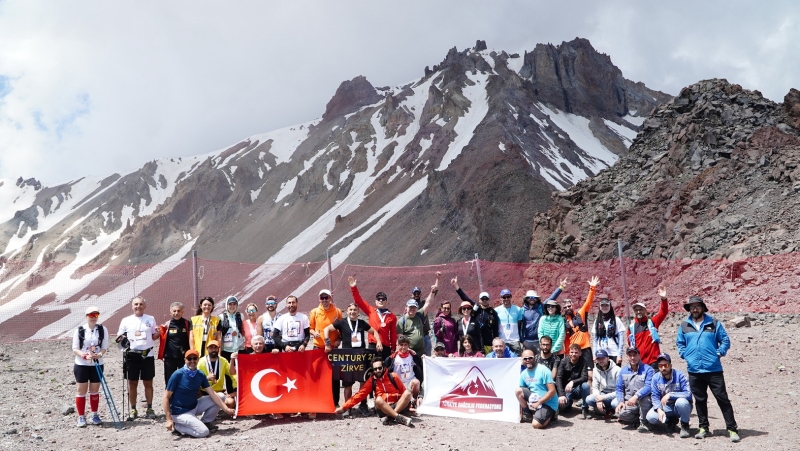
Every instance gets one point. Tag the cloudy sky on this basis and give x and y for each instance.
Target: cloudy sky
(97, 87)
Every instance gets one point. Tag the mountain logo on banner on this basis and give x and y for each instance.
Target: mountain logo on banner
(474, 394)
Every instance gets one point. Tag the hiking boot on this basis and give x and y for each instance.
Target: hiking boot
(669, 427)
(526, 417)
(404, 420)
(702, 433)
(685, 430)
(133, 415)
(585, 412)
(734, 436)
(81, 421)
(96, 419)
(150, 414)
(363, 409)
(607, 415)
(643, 428)
(387, 420)
(211, 427)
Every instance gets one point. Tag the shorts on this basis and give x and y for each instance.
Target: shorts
(542, 414)
(140, 368)
(394, 407)
(85, 373)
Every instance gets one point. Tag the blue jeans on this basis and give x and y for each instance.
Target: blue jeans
(581, 391)
(682, 408)
(608, 403)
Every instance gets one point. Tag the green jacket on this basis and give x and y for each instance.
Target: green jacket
(553, 327)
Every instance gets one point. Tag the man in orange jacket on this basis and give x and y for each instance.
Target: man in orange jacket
(577, 326)
(320, 318)
(391, 396)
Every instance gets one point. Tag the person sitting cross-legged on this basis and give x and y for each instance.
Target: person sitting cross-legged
(392, 399)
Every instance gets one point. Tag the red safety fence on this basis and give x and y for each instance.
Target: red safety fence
(40, 300)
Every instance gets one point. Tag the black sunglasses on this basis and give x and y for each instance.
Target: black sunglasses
(377, 368)
(324, 297)
(506, 297)
(192, 358)
(381, 299)
(527, 358)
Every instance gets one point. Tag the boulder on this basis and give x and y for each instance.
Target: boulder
(741, 321)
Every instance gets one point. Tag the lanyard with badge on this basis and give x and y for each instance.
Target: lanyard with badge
(355, 337)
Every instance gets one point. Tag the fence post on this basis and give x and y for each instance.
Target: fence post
(195, 282)
(330, 272)
(624, 284)
(478, 267)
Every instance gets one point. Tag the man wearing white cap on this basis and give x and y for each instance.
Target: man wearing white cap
(485, 314)
(319, 318)
(412, 323)
(643, 331)
(141, 331)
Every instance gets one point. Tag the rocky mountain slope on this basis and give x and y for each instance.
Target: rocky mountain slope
(713, 175)
(435, 170)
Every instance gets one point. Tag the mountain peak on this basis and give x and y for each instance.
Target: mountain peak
(350, 96)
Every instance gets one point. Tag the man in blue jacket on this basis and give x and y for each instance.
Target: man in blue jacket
(701, 341)
(671, 396)
(633, 391)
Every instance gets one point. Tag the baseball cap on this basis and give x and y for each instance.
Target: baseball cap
(632, 349)
(483, 295)
(412, 303)
(231, 300)
(92, 309)
(464, 304)
(531, 294)
(191, 352)
(664, 356)
(639, 304)
(415, 290)
(505, 292)
(600, 353)
(213, 343)
(321, 292)
(439, 344)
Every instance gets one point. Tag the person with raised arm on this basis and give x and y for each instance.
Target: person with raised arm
(643, 331)
(411, 324)
(577, 324)
(485, 315)
(379, 317)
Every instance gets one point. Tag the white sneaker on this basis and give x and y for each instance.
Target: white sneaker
(96, 419)
(81, 421)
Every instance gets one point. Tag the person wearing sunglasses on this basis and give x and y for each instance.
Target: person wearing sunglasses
(379, 317)
(319, 318)
(536, 392)
(266, 321)
(511, 322)
(552, 325)
(671, 397)
(484, 314)
(252, 328)
(89, 344)
(532, 312)
(185, 412)
(445, 329)
(392, 399)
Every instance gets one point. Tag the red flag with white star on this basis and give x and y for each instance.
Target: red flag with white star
(288, 382)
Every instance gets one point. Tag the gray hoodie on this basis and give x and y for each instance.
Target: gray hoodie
(605, 382)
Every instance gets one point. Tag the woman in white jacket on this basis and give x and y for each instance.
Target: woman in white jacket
(608, 333)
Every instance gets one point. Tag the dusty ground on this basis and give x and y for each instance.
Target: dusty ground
(761, 372)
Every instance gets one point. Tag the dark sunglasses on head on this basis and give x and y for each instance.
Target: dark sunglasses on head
(192, 358)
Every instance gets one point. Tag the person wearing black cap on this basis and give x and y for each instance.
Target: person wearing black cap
(416, 294)
(633, 391)
(701, 341)
(672, 400)
(439, 350)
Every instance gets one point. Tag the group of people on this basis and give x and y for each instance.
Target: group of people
(564, 359)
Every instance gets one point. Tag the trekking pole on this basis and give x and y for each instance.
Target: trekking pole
(112, 406)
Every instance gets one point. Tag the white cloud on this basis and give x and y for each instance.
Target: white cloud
(100, 87)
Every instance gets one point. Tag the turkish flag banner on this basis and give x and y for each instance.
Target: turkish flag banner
(288, 382)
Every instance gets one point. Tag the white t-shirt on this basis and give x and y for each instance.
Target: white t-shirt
(91, 340)
(140, 330)
(509, 319)
(267, 323)
(609, 344)
(404, 367)
(292, 327)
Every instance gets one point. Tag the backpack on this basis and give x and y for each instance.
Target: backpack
(82, 334)
(650, 327)
(224, 324)
(390, 378)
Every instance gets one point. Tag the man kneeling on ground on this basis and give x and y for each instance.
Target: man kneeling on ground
(180, 400)
(391, 397)
(536, 392)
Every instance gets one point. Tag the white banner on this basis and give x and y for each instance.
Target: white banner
(477, 388)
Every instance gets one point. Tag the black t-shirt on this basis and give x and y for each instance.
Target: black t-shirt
(550, 362)
(177, 339)
(345, 327)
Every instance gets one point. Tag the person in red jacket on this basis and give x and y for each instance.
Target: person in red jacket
(645, 337)
(380, 318)
(391, 396)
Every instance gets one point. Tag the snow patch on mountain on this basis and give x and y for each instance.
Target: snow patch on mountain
(466, 125)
